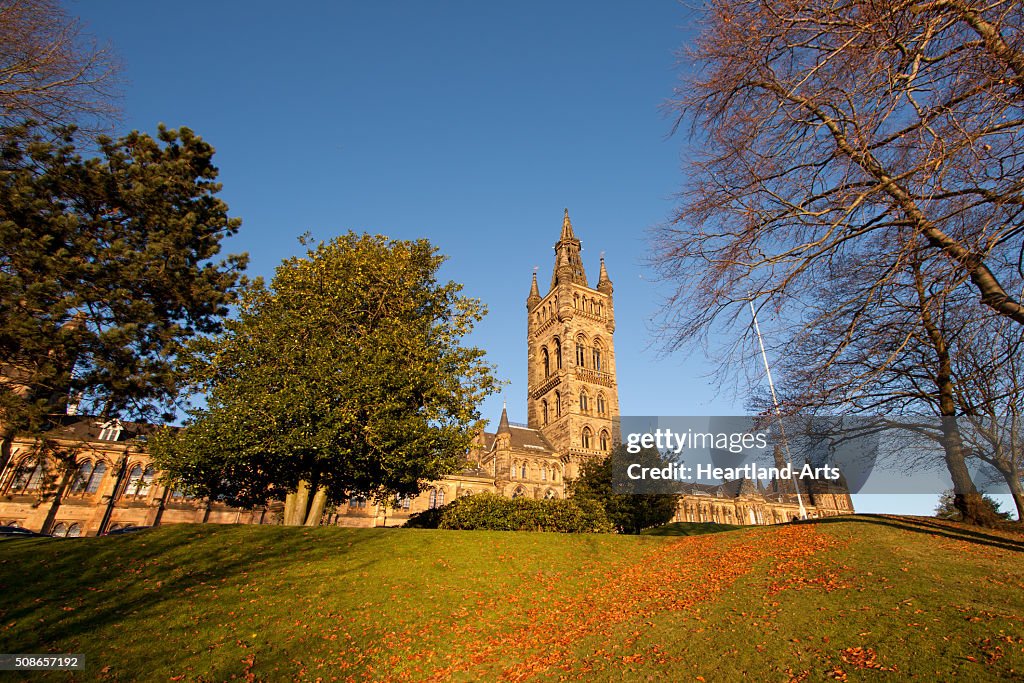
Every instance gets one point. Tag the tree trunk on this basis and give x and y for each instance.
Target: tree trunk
(1017, 491)
(289, 509)
(966, 498)
(316, 510)
(299, 507)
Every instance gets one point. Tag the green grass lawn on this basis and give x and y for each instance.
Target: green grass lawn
(858, 598)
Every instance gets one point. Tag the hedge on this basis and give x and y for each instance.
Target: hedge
(487, 511)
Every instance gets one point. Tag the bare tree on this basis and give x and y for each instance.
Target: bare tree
(847, 129)
(925, 349)
(50, 71)
(989, 373)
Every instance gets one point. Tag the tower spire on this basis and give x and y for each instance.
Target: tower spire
(534, 295)
(503, 427)
(604, 283)
(568, 264)
(567, 233)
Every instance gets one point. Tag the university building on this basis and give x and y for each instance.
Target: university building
(572, 403)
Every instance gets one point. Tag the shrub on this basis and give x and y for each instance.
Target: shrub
(487, 511)
(428, 519)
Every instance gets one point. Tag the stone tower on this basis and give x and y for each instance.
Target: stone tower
(573, 396)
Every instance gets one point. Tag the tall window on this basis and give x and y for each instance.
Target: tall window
(600, 404)
(544, 411)
(584, 402)
(597, 355)
(604, 440)
(96, 479)
(558, 404)
(512, 472)
(524, 470)
(586, 437)
(89, 477)
(436, 498)
(82, 477)
(28, 476)
(558, 354)
(580, 353)
(546, 361)
(139, 481)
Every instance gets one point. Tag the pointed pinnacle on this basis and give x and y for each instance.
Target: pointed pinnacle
(567, 233)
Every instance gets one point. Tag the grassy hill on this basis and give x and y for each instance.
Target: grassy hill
(845, 599)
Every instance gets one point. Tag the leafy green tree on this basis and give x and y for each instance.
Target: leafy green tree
(106, 266)
(345, 377)
(630, 513)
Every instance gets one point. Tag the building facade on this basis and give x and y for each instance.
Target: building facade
(572, 406)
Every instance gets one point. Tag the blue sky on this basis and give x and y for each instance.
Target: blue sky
(472, 124)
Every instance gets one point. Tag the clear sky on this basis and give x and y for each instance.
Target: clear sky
(472, 124)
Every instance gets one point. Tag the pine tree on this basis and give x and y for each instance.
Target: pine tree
(106, 266)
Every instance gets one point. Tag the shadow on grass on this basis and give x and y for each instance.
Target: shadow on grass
(933, 527)
(60, 592)
(689, 529)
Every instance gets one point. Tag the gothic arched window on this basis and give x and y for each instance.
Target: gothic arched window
(580, 353)
(545, 361)
(558, 404)
(604, 440)
(89, 477)
(96, 479)
(600, 404)
(28, 476)
(597, 355)
(544, 411)
(82, 477)
(584, 402)
(524, 471)
(139, 481)
(586, 437)
(558, 354)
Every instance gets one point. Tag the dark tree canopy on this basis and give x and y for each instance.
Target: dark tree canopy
(630, 513)
(346, 376)
(107, 263)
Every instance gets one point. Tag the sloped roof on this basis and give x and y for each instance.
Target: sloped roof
(522, 438)
(88, 428)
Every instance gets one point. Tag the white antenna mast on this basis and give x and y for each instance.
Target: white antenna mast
(778, 411)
